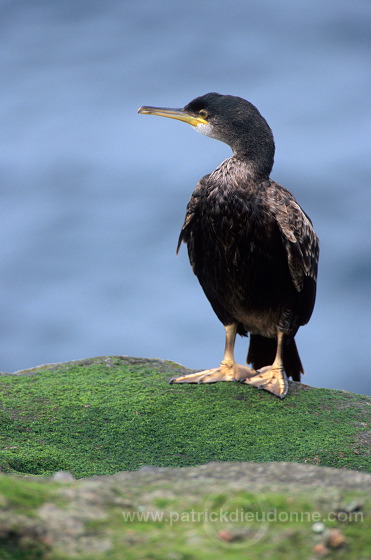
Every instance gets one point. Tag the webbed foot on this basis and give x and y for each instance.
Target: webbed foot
(270, 378)
(227, 371)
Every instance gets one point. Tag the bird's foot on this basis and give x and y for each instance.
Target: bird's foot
(227, 371)
(272, 379)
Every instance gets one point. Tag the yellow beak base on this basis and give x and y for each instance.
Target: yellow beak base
(178, 114)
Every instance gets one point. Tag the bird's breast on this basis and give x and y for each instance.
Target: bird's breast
(228, 215)
(237, 253)
(235, 239)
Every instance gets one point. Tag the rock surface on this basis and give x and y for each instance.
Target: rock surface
(212, 471)
(196, 512)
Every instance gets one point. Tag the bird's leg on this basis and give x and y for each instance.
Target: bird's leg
(272, 378)
(228, 369)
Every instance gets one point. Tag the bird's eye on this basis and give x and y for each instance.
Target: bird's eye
(203, 113)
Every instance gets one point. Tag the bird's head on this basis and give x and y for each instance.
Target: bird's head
(231, 120)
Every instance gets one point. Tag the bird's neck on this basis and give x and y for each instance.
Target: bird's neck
(250, 168)
(242, 169)
(238, 171)
(255, 151)
(256, 158)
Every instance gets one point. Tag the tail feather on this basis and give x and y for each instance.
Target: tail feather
(262, 352)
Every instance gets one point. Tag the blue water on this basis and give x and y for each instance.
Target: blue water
(93, 195)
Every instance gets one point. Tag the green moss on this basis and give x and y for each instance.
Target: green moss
(104, 415)
(177, 516)
(20, 534)
(21, 495)
(237, 525)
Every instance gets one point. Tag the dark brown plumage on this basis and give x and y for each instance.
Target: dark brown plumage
(251, 246)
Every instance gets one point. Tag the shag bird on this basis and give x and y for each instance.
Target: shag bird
(251, 246)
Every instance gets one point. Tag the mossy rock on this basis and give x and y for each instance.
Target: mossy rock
(108, 414)
(260, 511)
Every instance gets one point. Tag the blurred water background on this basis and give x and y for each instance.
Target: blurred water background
(93, 195)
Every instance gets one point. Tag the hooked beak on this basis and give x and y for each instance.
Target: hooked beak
(178, 114)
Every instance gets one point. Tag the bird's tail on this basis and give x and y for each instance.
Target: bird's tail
(262, 352)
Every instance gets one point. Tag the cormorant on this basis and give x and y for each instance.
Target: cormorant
(251, 246)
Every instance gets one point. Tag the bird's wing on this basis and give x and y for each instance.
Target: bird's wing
(298, 235)
(190, 212)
